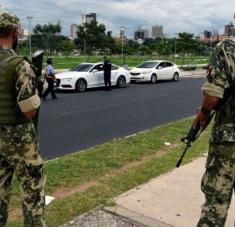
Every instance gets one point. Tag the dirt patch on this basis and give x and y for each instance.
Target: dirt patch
(15, 214)
(65, 192)
(144, 159)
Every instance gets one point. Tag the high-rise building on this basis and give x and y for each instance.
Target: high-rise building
(73, 31)
(141, 34)
(157, 31)
(88, 18)
(228, 29)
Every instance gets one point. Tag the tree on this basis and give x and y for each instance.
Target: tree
(207, 34)
(47, 32)
(184, 43)
(66, 46)
(93, 36)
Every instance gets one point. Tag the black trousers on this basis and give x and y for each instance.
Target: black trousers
(50, 89)
(107, 81)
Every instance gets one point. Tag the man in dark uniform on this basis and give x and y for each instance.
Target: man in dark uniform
(19, 148)
(107, 66)
(50, 78)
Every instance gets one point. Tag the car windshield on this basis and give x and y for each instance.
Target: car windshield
(82, 68)
(148, 64)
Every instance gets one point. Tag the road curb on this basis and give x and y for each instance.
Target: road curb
(137, 217)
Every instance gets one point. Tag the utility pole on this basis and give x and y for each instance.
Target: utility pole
(122, 37)
(30, 18)
(210, 44)
(84, 46)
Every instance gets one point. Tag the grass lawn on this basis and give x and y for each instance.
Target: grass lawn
(84, 180)
(131, 61)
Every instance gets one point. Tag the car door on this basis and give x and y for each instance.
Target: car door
(169, 70)
(97, 76)
(161, 71)
(114, 74)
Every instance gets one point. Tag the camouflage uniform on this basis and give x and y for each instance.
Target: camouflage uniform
(218, 181)
(19, 148)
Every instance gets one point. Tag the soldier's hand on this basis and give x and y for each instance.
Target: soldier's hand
(202, 116)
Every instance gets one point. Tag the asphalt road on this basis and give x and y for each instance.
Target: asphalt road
(80, 120)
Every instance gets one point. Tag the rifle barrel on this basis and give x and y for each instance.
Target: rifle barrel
(182, 155)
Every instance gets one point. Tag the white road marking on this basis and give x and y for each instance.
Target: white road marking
(91, 109)
(142, 99)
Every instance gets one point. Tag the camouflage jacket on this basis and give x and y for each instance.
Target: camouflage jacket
(27, 97)
(220, 79)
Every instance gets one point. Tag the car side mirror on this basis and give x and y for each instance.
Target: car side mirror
(159, 67)
(94, 71)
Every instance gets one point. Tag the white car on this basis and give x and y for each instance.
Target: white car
(90, 75)
(155, 70)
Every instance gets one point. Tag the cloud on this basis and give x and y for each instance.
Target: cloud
(173, 15)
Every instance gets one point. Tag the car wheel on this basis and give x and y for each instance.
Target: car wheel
(81, 85)
(153, 79)
(121, 82)
(175, 77)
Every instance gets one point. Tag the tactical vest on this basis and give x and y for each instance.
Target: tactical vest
(9, 110)
(224, 126)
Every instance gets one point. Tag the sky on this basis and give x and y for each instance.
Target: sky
(193, 16)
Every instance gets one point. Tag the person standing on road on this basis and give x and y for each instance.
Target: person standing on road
(218, 181)
(107, 66)
(50, 78)
(19, 148)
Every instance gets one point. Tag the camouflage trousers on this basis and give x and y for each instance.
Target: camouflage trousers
(19, 154)
(218, 184)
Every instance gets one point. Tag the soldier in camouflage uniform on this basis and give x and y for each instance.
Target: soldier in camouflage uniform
(19, 148)
(218, 182)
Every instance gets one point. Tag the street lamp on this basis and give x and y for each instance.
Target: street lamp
(122, 37)
(176, 34)
(210, 44)
(29, 18)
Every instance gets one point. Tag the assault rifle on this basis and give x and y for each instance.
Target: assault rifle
(37, 63)
(194, 132)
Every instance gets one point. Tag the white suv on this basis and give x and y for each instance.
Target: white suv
(155, 70)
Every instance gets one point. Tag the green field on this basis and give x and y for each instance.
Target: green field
(131, 61)
(84, 180)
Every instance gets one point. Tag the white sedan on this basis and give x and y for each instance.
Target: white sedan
(155, 70)
(90, 75)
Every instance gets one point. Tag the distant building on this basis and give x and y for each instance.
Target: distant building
(157, 31)
(88, 18)
(141, 34)
(212, 38)
(121, 37)
(23, 34)
(229, 29)
(73, 31)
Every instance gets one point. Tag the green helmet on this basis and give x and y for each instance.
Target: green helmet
(8, 20)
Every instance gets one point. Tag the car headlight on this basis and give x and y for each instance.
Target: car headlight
(66, 79)
(146, 72)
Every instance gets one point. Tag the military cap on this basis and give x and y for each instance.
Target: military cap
(8, 20)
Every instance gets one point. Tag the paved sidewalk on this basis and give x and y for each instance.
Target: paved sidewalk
(194, 73)
(170, 200)
(173, 199)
